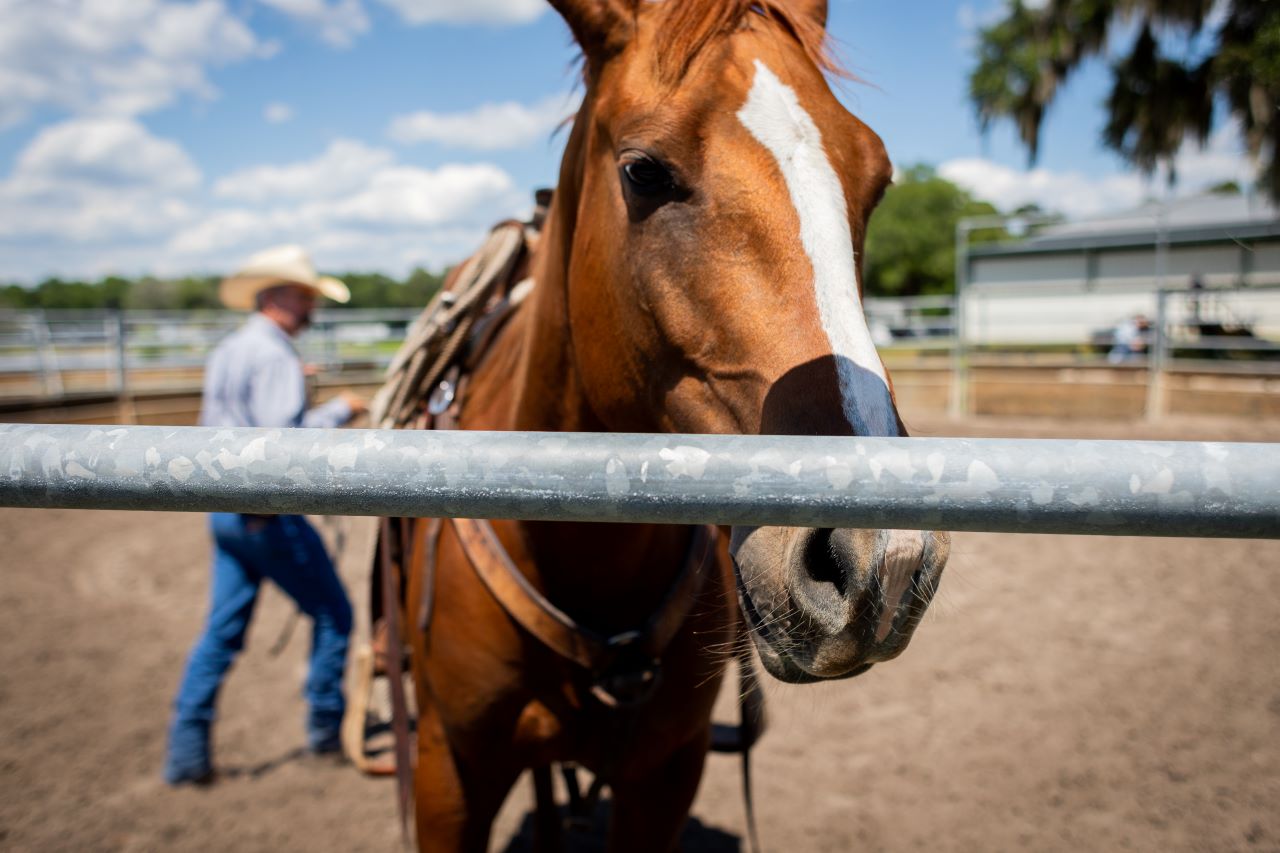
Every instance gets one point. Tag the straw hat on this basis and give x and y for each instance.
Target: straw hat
(274, 267)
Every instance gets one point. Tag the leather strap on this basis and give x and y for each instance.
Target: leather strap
(426, 539)
(561, 632)
(751, 724)
(395, 660)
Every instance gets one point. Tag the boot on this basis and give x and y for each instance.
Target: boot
(187, 760)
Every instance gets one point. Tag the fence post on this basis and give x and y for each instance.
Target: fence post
(332, 357)
(50, 375)
(116, 338)
(959, 361)
(119, 337)
(1156, 358)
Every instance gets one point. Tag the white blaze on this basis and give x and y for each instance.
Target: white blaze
(773, 115)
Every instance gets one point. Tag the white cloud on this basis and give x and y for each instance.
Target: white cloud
(1077, 194)
(356, 201)
(338, 23)
(99, 195)
(409, 197)
(97, 179)
(277, 113)
(392, 198)
(115, 58)
(1223, 159)
(493, 12)
(970, 19)
(344, 167)
(1072, 193)
(113, 153)
(488, 126)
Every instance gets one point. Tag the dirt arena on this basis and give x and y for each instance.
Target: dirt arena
(1065, 693)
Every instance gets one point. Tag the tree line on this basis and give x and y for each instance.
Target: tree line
(191, 293)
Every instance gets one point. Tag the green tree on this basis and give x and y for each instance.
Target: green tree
(911, 248)
(196, 292)
(375, 290)
(1164, 84)
(58, 293)
(151, 294)
(420, 287)
(115, 291)
(191, 293)
(369, 290)
(181, 294)
(17, 297)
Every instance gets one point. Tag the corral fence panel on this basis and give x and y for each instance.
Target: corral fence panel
(1148, 488)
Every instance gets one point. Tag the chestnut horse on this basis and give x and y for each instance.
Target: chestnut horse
(698, 272)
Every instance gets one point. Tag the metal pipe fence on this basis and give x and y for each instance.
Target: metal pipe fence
(53, 354)
(1002, 485)
(48, 344)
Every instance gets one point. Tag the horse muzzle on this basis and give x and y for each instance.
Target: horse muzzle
(829, 603)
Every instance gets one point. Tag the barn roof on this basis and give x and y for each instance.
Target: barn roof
(1212, 218)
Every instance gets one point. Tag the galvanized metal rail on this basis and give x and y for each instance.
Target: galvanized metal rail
(1030, 486)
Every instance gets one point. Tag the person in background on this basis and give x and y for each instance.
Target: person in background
(1195, 294)
(1130, 340)
(255, 378)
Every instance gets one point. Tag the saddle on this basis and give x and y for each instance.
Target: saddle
(424, 389)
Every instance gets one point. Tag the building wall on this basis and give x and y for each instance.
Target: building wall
(1068, 296)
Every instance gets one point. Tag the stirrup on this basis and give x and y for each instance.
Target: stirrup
(356, 721)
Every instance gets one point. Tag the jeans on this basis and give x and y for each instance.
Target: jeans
(286, 550)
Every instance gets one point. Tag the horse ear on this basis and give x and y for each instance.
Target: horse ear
(599, 26)
(814, 10)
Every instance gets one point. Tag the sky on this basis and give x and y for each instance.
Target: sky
(170, 137)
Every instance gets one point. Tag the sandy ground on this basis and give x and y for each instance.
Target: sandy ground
(1065, 693)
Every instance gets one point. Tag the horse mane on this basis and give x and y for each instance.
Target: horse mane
(689, 25)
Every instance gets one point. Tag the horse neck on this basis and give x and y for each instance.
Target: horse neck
(530, 382)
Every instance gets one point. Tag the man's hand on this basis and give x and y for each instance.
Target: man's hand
(355, 402)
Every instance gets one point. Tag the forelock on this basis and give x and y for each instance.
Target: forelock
(686, 27)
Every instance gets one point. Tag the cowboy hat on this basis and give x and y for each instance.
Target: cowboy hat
(272, 268)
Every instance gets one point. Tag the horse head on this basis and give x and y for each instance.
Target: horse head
(712, 207)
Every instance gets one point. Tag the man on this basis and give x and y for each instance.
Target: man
(254, 378)
(1130, 340)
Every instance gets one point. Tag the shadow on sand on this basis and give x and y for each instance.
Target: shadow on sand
(696, 838)
(300, 755)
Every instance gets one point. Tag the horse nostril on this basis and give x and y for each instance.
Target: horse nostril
(821, 575)
(832, 582)
(823, 562)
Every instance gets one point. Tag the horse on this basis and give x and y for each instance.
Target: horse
(699, 272)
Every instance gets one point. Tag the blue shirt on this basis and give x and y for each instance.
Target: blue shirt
(254, 378)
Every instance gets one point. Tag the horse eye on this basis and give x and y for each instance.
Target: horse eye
(647, 177)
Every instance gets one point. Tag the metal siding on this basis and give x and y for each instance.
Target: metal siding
(1029, 270)
(1264, 263)
(1051, 298)
(1065, 316)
